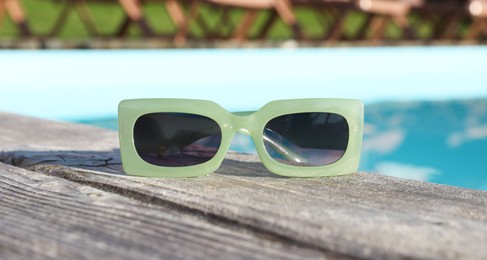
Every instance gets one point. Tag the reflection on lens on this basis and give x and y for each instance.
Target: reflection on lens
(176, 139)
(307, 139)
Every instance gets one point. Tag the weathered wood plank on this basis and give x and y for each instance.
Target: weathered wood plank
(46, 217)
(360, 215)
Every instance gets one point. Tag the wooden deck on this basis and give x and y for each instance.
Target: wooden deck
(64, 195)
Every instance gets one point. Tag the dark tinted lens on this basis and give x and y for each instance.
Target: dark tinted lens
(176, 139)
(307, 139)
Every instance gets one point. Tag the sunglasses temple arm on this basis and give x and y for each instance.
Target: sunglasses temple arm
(283, 151)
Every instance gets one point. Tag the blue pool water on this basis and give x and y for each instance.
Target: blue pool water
(426, 108)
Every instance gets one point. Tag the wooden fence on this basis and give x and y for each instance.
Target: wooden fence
(241, 21)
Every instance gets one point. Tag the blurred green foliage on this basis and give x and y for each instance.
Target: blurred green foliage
(42, 15)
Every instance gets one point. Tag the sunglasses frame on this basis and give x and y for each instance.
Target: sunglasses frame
(254, 122)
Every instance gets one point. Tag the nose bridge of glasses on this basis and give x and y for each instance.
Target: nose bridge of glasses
(242, 120)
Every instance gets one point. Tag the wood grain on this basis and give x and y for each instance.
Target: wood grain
(359, 215)
(44, 216)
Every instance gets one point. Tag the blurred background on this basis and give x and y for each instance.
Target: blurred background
(418, 65)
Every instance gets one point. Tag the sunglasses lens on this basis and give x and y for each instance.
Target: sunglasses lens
(176, 139)
(307, 139)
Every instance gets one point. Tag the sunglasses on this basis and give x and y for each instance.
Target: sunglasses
(188, 138)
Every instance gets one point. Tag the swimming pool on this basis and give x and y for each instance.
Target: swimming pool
(425, 116)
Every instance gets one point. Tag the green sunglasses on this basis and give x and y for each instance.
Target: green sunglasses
(188, 138)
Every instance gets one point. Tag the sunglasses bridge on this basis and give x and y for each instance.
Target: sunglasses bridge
(241, 121)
